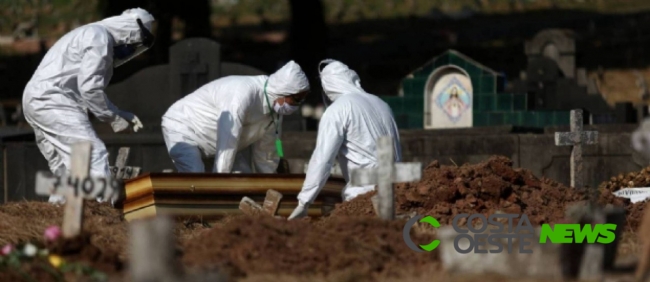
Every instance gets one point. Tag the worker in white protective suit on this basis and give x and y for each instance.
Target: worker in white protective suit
(70, 81)
(349, 129)
(236, 119)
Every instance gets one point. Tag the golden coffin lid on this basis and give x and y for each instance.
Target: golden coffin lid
(211, 194)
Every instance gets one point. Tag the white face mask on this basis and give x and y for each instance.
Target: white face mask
(285, 109)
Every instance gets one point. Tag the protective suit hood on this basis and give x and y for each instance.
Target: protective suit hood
(338, 79)
(288, 80)
(124, 28)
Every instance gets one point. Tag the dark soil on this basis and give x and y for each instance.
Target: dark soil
(254, 245)
(488, 187)
(634, 179)
(351, 240)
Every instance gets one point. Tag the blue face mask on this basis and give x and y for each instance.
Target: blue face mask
(123, 51)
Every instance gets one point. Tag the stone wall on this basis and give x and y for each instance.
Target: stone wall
(537, 152)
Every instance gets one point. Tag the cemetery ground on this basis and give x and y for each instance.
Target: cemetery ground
(351, 244)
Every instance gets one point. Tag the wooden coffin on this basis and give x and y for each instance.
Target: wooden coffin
(212, 195)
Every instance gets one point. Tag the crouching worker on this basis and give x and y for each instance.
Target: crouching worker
(349, 127)
(236, 119)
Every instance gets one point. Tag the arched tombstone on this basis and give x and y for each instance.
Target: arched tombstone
(551, 51)
(555, 44)
(193, 63)
(448, 99)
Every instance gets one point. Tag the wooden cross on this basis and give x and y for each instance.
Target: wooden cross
(386, 173)
(576, 138)
(270, 206)
(121, 170)
(75, 187)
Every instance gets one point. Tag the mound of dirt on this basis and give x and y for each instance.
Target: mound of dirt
(102, 245)
(23, 222)
(488, 187)
(254, 245)
(634, 179)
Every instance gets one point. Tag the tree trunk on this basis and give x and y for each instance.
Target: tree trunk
(308, 39)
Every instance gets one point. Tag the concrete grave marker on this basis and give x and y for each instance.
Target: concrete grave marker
(152, 251)
(153, 258)
(76, 186)
(386, 173)
(270, 206)
(576, 138)
(543, 264)
(193, 62)
(272, 202)
(249, 206)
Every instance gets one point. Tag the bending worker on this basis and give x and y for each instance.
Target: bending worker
(349, 129)
(236, 119)
(70, 81)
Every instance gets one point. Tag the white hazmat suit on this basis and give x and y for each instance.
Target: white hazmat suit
(231, 119)
(70, 81)
(349, 128)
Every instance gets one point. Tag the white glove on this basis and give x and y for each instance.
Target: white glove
(136, 124)
(299, 212)
(130, 117)
(119, 124)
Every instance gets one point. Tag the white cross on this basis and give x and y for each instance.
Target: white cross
(76, 186)
(386, 173)
(576, 138)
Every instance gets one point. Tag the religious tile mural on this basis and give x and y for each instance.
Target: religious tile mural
(454, 91)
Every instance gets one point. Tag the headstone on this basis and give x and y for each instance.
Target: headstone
(448, 99)
(554, 83)
(386, 173)
(193, 63)
(76, 187)
(542, 265)
(594, 254)
(557, 45)
(576, 138)
(589, 261)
